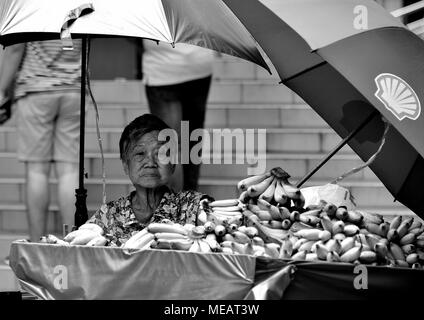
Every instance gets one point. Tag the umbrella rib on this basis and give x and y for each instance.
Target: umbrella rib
(303, 72)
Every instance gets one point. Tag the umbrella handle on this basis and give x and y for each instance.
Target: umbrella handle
(340, 145)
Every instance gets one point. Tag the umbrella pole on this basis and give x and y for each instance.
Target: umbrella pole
(340, 145)
(81, 215)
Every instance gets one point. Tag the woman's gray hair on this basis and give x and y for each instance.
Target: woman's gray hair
(136, 129)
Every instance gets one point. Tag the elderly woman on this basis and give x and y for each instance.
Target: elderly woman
(152, 200)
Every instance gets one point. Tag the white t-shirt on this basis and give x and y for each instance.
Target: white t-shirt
(165, 65)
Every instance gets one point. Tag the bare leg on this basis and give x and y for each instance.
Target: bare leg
(67, 175)
(37, 197)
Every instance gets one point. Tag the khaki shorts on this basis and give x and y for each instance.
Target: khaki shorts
(48, 126)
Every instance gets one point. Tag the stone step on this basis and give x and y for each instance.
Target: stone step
(278, 140)
(295, 164)
(8, 280)
(228, 91)
(222, 115)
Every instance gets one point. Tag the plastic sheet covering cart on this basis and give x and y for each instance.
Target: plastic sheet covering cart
(80, 272)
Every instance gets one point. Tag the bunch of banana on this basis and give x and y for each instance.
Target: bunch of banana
(221, 212)
(273, 187)
(87, 234)
(52, 239)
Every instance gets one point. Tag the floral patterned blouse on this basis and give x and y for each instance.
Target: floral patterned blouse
(119, 222)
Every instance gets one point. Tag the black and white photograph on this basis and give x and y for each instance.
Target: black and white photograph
(212, 156)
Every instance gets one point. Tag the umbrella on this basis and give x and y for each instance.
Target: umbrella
(352, 62)
(205, 23)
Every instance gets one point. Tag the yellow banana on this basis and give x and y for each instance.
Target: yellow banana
(227, 251)
(181, 244)
(224, 203)
(402, 263)
(314, 212)
(272, 250)
(415, 224)
(93, 227)
(333, 257)
(407, 239)
(396, 222)
(195, 247)
(251, 232)
(227, 210)
(169, 236)
(416, 265)
(330, 209)
(416, 231)
(372, 217)
(347, 244)
(367, 257)
(198, 232)
(97, 241)
(204, 246)
(351, 255)
(381, 249)
(371, 240)
(166, 227)
(339, 236)
(309, 234)
(301, 255)
(402, 230)
(384, 228)
(244, 197)
(321, 251)
(373, 228)
(342, 213)
(240, 237)
(253, 180)
(350, 230)
(290, 190)
(333, 245)
(396, 251)
(227, 237)
(294, 215)
(286, 250)
(286, 224)
(257, 241)
(264, 215)
(299, 243)
(408, 249)
(311, 220)
(338, 227)
(354, 217)
(307, 246)
(209, 226)
(238, 247)
(311, 257)
(326, 223)
(273, 210)
(392, 235)
(268, 194)
(412, 258)
(212, 242)
(220, 230)
(257, 189)
(202, 217)
(84, 236)
(138, 241)
(273, 224)
(280, 195)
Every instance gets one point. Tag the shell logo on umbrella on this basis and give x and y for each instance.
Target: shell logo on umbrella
(397, 96)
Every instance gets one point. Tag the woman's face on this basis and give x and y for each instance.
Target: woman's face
(143, 166)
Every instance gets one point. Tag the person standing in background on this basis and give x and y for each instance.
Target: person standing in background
(177, 82)
(46, 82)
